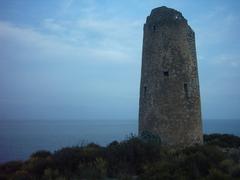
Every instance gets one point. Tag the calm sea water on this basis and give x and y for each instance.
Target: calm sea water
(20, 138)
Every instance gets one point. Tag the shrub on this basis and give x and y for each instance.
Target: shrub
(222, 140)
(21, 175)
(41, 154)
(67, 159)
(10, 167)
(134, 158)
(217, 174)
(36, 166)
(150, 137)
(101, 166)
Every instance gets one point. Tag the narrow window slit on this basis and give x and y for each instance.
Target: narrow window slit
(145, 90)
(186, 89)
(165, 73)
(154, 27)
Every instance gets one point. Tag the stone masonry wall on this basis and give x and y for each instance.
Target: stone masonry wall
(169, 93)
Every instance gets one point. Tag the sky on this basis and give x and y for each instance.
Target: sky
(81, 59)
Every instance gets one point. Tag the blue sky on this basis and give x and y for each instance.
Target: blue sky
(66, 59)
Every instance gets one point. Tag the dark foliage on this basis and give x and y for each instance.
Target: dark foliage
(128, 156)
(134, 158)
(222, 140)
(41, 154)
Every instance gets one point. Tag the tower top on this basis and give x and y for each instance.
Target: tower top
(164, 14)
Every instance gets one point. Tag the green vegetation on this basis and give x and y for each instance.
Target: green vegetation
(134, 158)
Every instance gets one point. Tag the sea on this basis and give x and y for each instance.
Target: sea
(20, 138)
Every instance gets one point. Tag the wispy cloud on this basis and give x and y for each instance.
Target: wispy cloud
(51, 25)
(215, 26)
(89, 35)
(227, 60)
(65, 5)
(60, 46)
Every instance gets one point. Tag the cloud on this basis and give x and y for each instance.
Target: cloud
(50, 68)
(95, 30)
(59, 47)
(228, 60)
(66, 4)
(215, 26)
(51, 25)
(91, 27)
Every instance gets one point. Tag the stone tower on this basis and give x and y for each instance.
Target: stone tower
(169, 93)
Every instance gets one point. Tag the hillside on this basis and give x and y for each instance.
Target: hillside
(134, 158)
